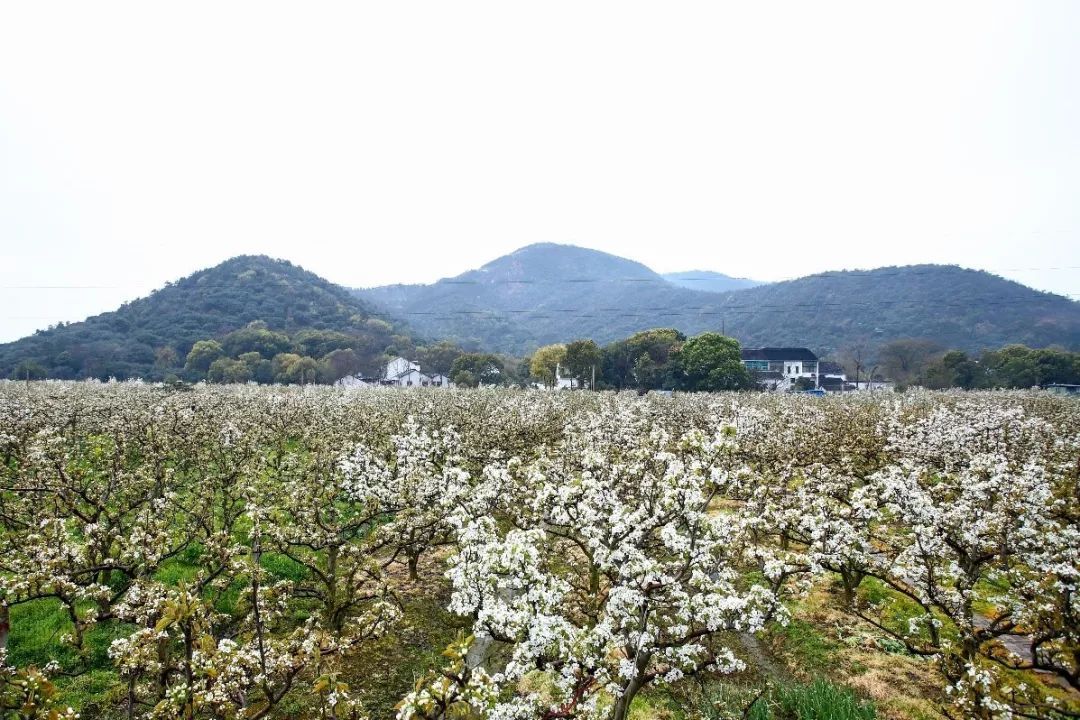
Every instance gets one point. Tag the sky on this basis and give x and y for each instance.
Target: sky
(375, 143)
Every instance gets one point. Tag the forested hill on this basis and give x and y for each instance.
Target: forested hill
(151, 335)
(955, 307)
(553, 293)
(535, 296)
(539, 294)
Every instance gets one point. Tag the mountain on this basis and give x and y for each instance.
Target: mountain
(206, 304)
(539, 294)
(952, 306)
(709, 281)
(554, 293)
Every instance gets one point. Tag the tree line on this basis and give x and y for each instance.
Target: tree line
(659, 359)
(921, 362)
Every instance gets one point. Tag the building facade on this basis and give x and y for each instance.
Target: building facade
(778, 368)
(399, 372)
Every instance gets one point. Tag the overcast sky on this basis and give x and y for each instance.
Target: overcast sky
(406, 141)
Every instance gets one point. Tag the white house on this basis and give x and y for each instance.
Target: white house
(561, 383)
(778, 368)
(399, 368)
(357, 381)
(398, 372)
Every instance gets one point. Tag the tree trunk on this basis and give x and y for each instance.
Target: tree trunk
(414, 562)
(163, 662)
(851, 580)
(621, 709)
(5, 625)
(131, 698)
(333, 615)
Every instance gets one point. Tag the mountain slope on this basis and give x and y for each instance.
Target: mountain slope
(209, 303)
(539, 294)
(953, 306)
(554, 293)
(709, 281)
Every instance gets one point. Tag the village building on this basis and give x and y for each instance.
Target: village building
(562, 382)
(399, 372)
(779, 368)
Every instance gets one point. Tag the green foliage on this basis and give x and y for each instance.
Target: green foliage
(290, 369)
(319, 343)
(1017, 366)
(248, 303)
(28, 370)
(472, 369)
(712, 362)
(255, 337)
(642, 360)
(439, 357)
(583, 358)
(338, 363)
(1013, 366)
(819, 700)
(203, 354)
(545, 362)
(225, 370)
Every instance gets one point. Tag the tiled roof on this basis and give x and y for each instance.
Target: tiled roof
(779, 354)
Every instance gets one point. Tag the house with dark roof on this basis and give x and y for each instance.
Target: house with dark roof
(400, 372)
(778, 368)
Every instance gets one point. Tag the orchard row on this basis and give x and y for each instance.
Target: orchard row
(228, 552)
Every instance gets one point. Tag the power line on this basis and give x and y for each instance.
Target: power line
(588, 280)
(681, 311)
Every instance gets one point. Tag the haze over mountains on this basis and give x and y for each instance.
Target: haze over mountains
(709, 281)
(550, 293)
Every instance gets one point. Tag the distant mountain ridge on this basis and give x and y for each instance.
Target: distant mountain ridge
(554, 293)
(549, 293)
(709, 281)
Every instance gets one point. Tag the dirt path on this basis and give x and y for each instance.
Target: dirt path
(762, 659)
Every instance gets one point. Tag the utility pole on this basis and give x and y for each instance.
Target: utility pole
(592, 385)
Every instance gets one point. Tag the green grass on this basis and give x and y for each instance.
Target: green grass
(36, 628)
(284, 567)
(804, 645)
(819, 700)
(658, 703)
(388, 668)
(896, 611)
